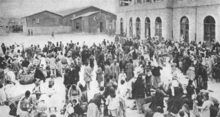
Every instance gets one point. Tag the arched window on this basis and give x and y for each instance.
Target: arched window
(158, 27)
(184, 29)
(209, 29)
(131, 27)
(138, 27)
(121, 26)
(147, 27)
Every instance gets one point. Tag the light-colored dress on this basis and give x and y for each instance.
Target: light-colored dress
(2, 95)
(205, 112)
(93, 110)
(99, 75)
(88, 74)
(113, 105)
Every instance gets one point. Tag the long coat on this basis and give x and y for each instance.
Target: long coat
(88, 74)
(129, 71)
(115, 70)
(99, 75)
(139, 89)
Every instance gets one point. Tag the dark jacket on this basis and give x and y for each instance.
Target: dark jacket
(39, 75)
(139, 88)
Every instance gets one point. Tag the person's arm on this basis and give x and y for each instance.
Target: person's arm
(204, 106)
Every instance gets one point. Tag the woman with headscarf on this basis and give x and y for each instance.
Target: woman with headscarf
(139, 92)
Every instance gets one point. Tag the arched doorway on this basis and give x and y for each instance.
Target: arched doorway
(130, 27)
(121, 26)
(158, 27)
(147, 27)
(184, 29)
(138, 28)
(209, 30)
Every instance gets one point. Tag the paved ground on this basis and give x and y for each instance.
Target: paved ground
(89, 39)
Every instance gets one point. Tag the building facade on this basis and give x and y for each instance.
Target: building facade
(88, 20)
(189, 20)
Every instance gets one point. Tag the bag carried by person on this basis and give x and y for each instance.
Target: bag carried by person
(26, 79)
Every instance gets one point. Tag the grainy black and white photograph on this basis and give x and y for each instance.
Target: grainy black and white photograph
(109, 58)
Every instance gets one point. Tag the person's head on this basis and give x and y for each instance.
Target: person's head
(74, 101)
(27, 94)
(122, 82)
(112, 92)
(86, 63)
(181, 114)
(190, 82)
(122, 71)
(73, 87)
(205, 95)
(101, 89)
(38, 95)
(159, 109)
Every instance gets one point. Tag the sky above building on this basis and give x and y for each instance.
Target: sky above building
(21, 8)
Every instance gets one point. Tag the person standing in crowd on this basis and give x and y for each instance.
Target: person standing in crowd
(88, 75)
(99, 75)
(156, 75)
(205, 108)
(139, 93)
(129, 68)
(115, 70)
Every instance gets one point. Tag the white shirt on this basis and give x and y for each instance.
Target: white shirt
(158, 115)
(113, 103)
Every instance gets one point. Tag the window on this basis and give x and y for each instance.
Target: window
(147, 27)
(158, 27)
(184, 29)
(130, 27)
(209, 29)
(138, 27)
(125, 2)
(77, 26)
(138, 1)
(121, 27)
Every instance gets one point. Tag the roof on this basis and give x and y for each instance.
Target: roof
(43, 12)
(85, 15)
(70, 11)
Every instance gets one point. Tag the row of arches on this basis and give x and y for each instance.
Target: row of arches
(209, 27)
(158, 27)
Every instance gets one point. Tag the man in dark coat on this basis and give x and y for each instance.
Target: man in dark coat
(122, 64)
(39, 74)
(84, 54)
(73, 79)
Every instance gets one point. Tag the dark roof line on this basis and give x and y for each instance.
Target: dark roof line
(42, 12)
(69, 13)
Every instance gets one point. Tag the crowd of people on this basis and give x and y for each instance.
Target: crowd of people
(126, 69)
